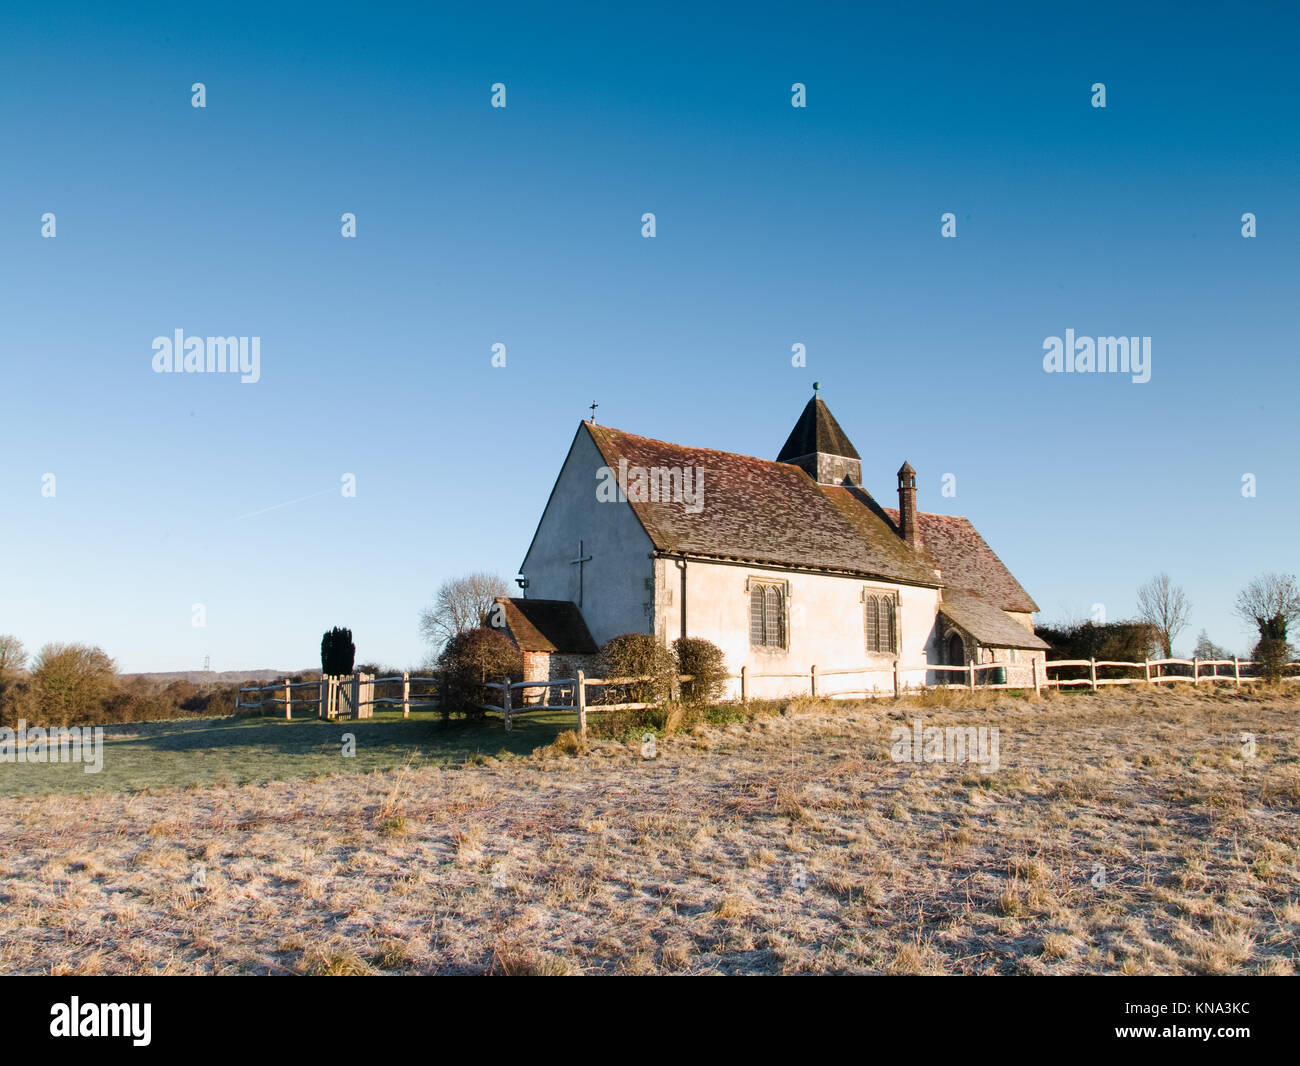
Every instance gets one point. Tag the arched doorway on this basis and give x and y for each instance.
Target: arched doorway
(956, 651)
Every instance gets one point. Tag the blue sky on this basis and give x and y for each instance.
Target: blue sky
(775, 226)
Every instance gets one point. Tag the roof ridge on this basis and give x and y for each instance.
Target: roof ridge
(692, 447)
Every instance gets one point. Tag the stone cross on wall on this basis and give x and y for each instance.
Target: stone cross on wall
(578, 563)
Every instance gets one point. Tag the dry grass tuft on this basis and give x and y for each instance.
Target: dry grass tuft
(787, 804)
(1030, 870)
(523, 962)
(732, 906)
(567, 743)
(334, 960)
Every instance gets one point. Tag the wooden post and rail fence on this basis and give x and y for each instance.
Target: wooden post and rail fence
(352, 696)
(345, 696)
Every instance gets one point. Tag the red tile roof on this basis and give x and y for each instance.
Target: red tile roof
(966, 561)
(986, 623)
(548, 625)
(759, 511)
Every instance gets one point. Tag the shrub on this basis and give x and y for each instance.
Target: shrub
(639, 655)
(1272, 654)
(704, 661)
(1128, 642)
(472, 658)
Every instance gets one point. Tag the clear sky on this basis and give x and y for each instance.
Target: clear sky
(521, 225)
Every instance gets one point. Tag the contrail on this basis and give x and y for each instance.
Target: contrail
(287, 503)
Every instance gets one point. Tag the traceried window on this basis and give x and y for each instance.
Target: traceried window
(766, 616)
(878, 623)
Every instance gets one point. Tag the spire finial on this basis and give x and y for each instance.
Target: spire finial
(817, 386)
(594, 405)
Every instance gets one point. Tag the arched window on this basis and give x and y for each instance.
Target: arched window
(878, 624)
(766, 616)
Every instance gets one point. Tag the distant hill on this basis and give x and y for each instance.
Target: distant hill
(199, 677)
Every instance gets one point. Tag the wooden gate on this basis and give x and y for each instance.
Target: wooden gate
(347, 696)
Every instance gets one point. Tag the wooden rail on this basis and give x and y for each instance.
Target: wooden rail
(1153, 672)
(1148, 678)
(327, 689)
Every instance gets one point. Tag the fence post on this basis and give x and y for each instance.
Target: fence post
(287, 698)
(970, 664)
(812, 679)
(356, 695)
(580, 694)
(1034, 663)
(1236, 670)
(898, 681)
(1147, 664)
(406, 694)
(1092, 673)
(742, 684)
(1196, 672)
(505, 701)
(323, 702)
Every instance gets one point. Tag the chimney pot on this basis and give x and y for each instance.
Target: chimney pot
(907, 506)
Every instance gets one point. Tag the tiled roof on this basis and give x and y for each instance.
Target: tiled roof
(966, 561)
(817, 431)
(868, 518)
(759, 511)
(986, 623)
(548, 625)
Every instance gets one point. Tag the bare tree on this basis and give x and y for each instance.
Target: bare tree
(1164, 605)
(1268, 599)
(1271, 603)
(1207, 649)
(461, 603)
(12, 657)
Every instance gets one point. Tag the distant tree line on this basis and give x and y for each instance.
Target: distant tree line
(78, 684)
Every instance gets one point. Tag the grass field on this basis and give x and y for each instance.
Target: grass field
(242, 750)
(1125, 832)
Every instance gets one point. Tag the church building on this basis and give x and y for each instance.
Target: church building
(784, 564)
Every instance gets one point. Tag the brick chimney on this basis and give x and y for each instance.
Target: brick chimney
(907, 506)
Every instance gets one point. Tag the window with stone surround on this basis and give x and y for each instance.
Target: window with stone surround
(766, 615)
(879, 615)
